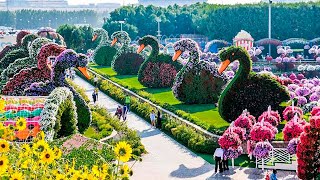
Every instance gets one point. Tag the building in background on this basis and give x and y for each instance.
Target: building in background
(63, 5)
(165, 3)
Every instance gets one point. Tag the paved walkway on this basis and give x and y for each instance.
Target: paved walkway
(166, 158)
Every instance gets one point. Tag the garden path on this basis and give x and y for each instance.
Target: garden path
(168, 159)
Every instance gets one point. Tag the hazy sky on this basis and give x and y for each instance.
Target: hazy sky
(135, 1)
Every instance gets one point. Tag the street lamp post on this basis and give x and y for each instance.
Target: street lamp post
(269, 34)
(159, 32)
(121, 22)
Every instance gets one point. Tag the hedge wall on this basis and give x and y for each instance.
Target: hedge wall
(127, 63)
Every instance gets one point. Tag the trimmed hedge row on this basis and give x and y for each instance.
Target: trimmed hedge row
(182, 133)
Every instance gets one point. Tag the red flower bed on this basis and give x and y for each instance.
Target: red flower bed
(229, 140)
(289, 113)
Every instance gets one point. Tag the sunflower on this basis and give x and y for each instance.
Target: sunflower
(2, 105)
(124, 171)
(40, 146)
(57, 153)
(21, 124)
(47, 156)
(17, 176)
(3, 164)
(26, 164)
(4, 146)
(123, 151)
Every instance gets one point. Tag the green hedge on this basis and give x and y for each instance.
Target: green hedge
(12, 56)
(199, 142)
(104, 55)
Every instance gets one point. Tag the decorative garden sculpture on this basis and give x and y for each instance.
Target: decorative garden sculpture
(158, 70)
(104, 53)
(248, 90)
(198, 81)
(126, 61)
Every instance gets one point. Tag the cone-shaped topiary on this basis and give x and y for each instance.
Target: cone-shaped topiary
(248, 90)
(125, 62)
(158, 70)
(198, 82)
(104, 53)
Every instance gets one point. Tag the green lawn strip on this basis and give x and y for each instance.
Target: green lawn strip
(206, 115)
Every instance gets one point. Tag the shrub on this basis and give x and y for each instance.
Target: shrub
(59, 117)
(16, 66)
(127, 63)
(104, 55)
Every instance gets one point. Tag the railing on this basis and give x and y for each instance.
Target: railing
(164, 111)
(277, 155)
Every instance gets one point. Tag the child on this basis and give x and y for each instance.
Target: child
(153, 119)
(118, 112)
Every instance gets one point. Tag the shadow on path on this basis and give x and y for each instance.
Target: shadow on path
(148, 133)
(184, 172)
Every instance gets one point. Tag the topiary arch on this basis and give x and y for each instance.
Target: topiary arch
(59, 117)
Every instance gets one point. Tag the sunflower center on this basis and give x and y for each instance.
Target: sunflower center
(122, 151)
(15, 179)
(1, 162)
(47, 156)
(3, 146)
(20, 123)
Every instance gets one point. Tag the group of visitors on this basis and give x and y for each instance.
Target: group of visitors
(221, 161)
(156, 119)
(123, 111)
(70, 73)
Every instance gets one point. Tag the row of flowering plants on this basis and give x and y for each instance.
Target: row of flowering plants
(39, 160)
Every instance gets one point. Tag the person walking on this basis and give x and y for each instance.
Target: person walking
(118, 112)
(274, 175)
(127, 101)
(153, 119)
(159, 119)
(96, 90)
(95, 81)
(218, 155)
(94, 97)
(124, 112)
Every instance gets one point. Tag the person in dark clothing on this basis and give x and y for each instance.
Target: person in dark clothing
(124, 112)
(94, 97)
(159, 119)
(225, 162)
(119, 112)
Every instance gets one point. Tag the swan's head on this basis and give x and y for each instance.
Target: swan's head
(229, 55)
(69, 58)
(145, 41)
(98, 32)
(184, 45)
(121, 37)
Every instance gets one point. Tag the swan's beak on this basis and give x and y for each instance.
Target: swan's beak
(84, 71)
(114, 41)
(223, 66)
(176, 55)
(94, 37)
(141, 47)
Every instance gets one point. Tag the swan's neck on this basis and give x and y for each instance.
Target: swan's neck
(58, 76)
(242, 73)
(154, 48)
(194, 56)
(103, 39)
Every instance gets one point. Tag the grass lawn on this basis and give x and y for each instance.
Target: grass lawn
(207, 114)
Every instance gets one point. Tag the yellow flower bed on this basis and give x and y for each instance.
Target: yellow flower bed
(37, 160)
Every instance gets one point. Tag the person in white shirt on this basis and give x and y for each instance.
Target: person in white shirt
(153, 118)
(95, 80)
(218, 156)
